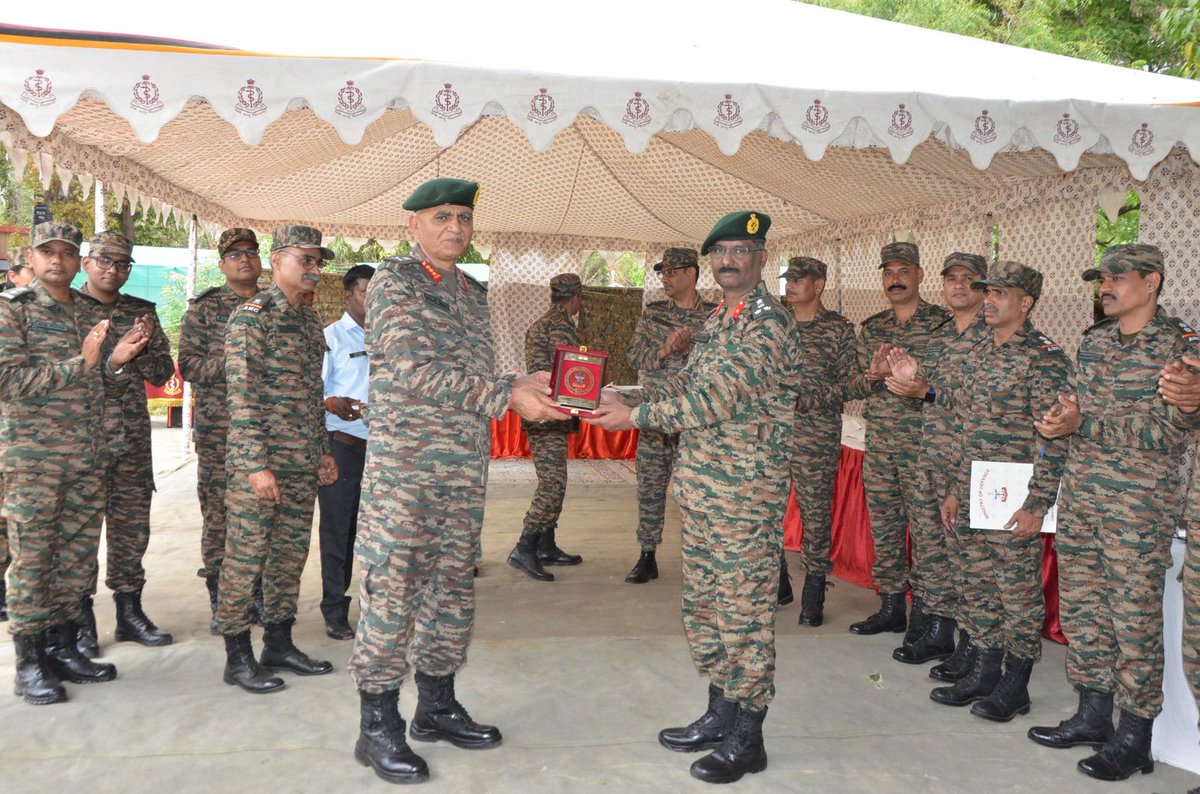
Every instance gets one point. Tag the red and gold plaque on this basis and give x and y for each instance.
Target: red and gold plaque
(576, 379)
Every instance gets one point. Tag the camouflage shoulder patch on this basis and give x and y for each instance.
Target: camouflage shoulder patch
(1101, 324)
(1183, 330)
(19, 294)
(203, 295)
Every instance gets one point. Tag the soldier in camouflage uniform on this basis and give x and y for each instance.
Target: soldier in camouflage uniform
(940, 373)
(658, 350)
(19, 274)
(898, 494)
(548, 440)
(434, 392)
(202, 363)
(1117, 513)
(55, 496)
(278, 453)
(1010, 379)
(733, 407)
(129, 480)
(828, 361)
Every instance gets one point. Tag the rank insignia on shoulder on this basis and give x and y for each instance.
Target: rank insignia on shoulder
(206, 293)
(254, 305)
(1047, 343)
(15, 293)
(1186, 332)
(761, 307)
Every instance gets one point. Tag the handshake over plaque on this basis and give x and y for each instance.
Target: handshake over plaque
(576, 379)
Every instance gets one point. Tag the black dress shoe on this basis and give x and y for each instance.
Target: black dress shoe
(338, 628)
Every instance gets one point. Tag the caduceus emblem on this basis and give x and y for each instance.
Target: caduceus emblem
(637, 111)
(1067, 130)
(985, 128)
(145, 96)
(446, 103)
(816, 118)
(350, 101)
(38, 89)
(541, 108)
(901, 123)
(1142, 142)
(729, 113)
(250, 100)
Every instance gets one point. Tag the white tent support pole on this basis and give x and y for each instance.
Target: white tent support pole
(190, 289)
(101, 224)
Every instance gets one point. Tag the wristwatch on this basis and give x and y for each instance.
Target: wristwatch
(930, 395)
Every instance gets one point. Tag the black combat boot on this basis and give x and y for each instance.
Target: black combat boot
(960, 662)
(87, 642)
(935, 643)
(1090, 724)
(242, 669)
(812, 600)
(644, 570)
(3, 601)
(1011, 695)
(440, 716)
(786, 596)
(36, 682)
(132, 623)
(67, 663)
(211, 582)
(524, 557)
(741, 753)
(280, 653)
(548, 552)
(381, 744)
(890, 616)
(707, 732)
(916, 621)
(1128, 751)
(978, 683)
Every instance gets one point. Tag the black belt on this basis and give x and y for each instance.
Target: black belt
(346, 438)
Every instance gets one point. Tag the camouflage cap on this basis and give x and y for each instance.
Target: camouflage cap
(1007, 273)
(801, 266)
(235, 235)
(114, 245)
(299, 237)
(565, 285)
(443, 190)
(1123, 258)
(904, 253)
(18, 257)
(678, 257)
(744, 225)
(55, 230)
(973, 262)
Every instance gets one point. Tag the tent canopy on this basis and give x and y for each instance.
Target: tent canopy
(640, 123)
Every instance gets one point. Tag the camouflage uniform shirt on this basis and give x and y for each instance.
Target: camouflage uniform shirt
(553, 328)
(828, 362)
(658, 321)
(202, 357)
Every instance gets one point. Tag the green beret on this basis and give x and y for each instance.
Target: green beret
(973, 262)
(904, 253)
(1123, 258)
(114, 245)
(55, 230)
(801, 266)
(444, 190)
(744, 225)
(1012, 274)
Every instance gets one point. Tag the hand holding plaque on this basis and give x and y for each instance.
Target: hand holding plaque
(576, 379)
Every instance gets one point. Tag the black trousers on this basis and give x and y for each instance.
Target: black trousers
(339, 526)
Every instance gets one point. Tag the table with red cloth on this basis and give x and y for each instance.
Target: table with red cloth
(853, 551)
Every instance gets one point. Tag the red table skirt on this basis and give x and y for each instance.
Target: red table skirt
(853, 551)
(590, 442)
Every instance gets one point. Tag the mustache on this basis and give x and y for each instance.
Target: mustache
(311, 277)
(727, 269)
(897, 287)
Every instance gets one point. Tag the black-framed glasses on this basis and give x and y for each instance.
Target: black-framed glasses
(738, 252)
(307, 262)
(250, 255)
(106, 263)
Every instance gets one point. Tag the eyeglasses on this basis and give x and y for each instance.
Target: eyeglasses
(738, 252)
(238, 256)
(307, 262)
(104, 263)
(671, 271)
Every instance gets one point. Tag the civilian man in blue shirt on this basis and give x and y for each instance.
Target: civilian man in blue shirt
(345, 372)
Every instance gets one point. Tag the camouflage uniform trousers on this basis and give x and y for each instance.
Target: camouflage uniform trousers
(549, 451)
(1003, 605)
(1112, 563)
(4, 555)
(656, 452)
(265, 540)
(957, 606)
(211, 483)
(898, 497)
(1191, 609)
(730, 590)
(418, 589)
(129, 488)
(815, 453)
(53, 530)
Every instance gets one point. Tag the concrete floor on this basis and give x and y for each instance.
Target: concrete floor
(580, 674)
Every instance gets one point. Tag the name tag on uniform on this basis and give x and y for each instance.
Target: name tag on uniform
(359, 354)
(1084, 355)
(49, 326)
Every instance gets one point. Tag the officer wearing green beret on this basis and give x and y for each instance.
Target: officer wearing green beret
(732, 406)
(548, 440)
(434, 391)
(54, 499)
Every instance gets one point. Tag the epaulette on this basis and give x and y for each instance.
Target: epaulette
(763, 305)
(1185, 331)
(1105, 321)
(657, 304)
(472, 280)
(17, 294)
(1039, 340)
(205, 294)
(141, 303)
(262, 300)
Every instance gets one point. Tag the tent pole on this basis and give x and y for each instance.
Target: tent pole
(101, 211)
(190, 289)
